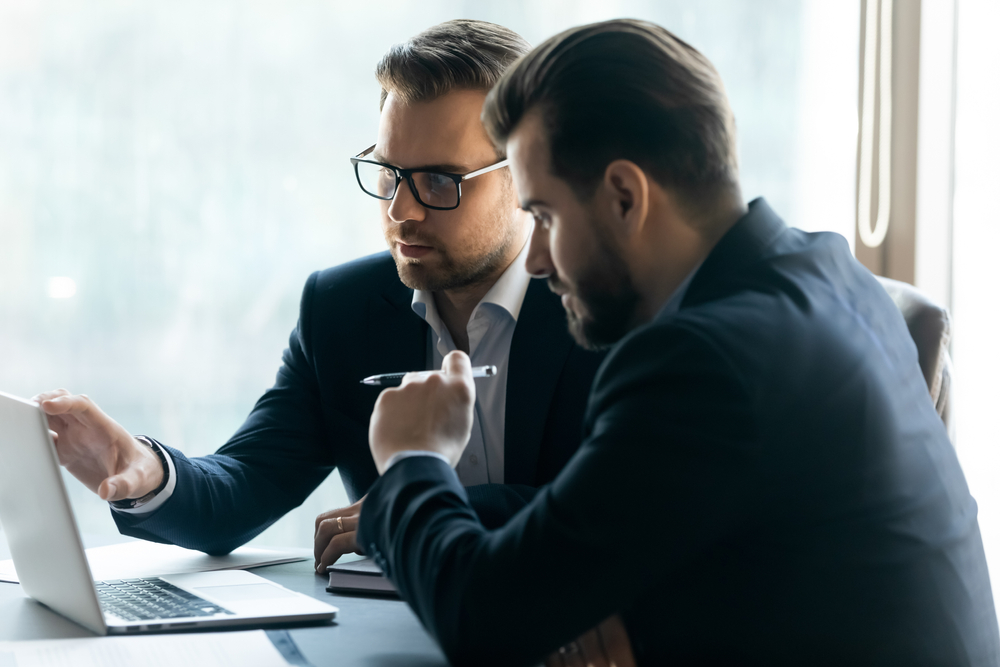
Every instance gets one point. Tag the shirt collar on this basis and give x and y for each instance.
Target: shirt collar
(507, 293)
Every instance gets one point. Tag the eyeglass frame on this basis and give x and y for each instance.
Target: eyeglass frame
(408, 175)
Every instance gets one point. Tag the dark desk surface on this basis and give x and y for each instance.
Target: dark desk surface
(366, 631)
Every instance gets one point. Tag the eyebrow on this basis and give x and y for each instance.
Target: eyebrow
(450, 168)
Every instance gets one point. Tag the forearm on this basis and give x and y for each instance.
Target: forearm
(496, 504)
(474, 589)
(220, 502)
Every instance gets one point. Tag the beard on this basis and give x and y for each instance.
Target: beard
(451, 273)
(455, 272)
(607, 294)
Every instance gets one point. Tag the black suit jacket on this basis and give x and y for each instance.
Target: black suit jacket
(355, 320)
(764, 481)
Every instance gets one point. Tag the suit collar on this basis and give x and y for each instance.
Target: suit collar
(746, 242)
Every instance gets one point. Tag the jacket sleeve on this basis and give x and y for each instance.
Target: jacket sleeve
(273, 462)
(660, 475)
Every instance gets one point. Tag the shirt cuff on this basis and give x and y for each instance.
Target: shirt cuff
(399, 456)
(164, 495)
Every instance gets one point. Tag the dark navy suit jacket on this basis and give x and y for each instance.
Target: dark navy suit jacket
(355, 320)
(764, 481)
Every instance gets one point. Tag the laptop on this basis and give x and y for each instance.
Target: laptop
(51, 563)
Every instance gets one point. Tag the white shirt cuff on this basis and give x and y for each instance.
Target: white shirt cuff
(161, 497)
(399, 456)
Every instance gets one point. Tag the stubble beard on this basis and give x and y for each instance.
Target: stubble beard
(452, 274)
(607, 294)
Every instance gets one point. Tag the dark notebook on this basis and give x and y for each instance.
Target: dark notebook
(362, 577)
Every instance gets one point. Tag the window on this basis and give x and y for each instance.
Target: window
(976, 279)
(170, 174)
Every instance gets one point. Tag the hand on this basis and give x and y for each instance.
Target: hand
(335, 538)
(97, 450)
(607, 645)
(429, 411)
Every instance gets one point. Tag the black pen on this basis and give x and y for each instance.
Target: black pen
(394, 379)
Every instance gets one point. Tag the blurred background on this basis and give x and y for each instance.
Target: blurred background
(170, 174)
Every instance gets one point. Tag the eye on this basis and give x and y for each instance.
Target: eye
(542, 220)
(438, 181)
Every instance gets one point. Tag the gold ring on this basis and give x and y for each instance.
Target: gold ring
(340, 524)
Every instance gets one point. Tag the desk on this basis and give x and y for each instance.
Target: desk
(367, 631)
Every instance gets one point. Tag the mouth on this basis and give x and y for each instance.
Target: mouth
(413, 251)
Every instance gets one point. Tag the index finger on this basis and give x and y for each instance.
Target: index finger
(65, 404)
(49, 395)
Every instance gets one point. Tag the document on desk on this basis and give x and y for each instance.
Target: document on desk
(131, 560)
(209, 649)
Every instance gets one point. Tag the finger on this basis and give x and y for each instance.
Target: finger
(593, 651)
(67, 404)
(118, 487)
(48, 395)
(345, 543)
(350, 510)
(410, 378)
(457, 364)
(330, 528)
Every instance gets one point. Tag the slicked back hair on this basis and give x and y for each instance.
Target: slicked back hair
(625, 89)
(459, 54)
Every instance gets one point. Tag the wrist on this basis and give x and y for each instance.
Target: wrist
(159, 473)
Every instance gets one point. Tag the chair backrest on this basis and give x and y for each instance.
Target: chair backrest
(930, 328)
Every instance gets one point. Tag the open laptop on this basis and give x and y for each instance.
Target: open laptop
(52, 566)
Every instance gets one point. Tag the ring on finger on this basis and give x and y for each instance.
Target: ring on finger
(340, 524)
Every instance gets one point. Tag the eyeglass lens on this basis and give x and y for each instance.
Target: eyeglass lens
(432, 189)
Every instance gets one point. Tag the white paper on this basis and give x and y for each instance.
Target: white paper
(206, 649)
(148, 559)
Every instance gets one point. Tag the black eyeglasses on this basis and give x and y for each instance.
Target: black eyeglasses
(438, 190)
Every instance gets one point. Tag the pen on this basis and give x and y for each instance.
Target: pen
(394, 379)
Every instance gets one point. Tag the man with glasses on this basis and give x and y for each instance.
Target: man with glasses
(453, 279)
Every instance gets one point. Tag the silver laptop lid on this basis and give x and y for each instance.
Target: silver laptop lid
(38, 518)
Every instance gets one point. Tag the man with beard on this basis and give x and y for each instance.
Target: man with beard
(453, 279)
(764, 479)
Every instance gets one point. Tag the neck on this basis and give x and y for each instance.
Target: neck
(455, 306)
(679, 249)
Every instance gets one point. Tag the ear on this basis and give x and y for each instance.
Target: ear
(628, 190)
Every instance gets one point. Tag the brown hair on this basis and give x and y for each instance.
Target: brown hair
(451, 55)
(624, 89)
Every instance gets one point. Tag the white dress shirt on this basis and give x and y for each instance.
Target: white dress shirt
(490, 330)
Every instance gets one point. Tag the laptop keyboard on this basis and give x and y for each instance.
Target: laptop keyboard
(152, 599)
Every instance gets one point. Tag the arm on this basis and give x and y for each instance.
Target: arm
(272, 463)
(662, 465)
(275, 460)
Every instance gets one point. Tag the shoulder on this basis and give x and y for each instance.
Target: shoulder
(664, 360)
(373, 271)
(354, 282)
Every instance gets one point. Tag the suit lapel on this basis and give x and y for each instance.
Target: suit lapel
(397, 337)
(538, 352)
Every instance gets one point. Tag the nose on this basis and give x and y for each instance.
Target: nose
(539, 262)
(404, 206)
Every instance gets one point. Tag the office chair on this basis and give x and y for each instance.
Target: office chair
(930, 328)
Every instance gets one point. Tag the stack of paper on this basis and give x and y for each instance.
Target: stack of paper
(209, 649)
